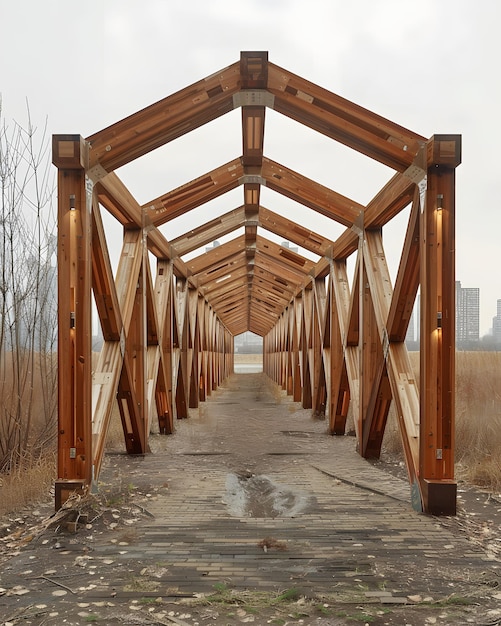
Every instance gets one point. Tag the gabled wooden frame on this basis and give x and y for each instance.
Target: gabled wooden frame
(168, 339)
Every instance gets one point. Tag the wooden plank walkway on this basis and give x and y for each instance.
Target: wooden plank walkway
(343, 519)
(252, 494)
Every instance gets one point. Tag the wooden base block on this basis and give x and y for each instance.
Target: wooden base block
(64, 488)
(439, 497)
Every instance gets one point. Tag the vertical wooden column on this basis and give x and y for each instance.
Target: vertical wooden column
(288, 315)
(135, 357)
(74, 317)
(307, 351)
(320, 351)
(284, 347)
(202, 321)
(193, 349)
(164, 298)
(181, 296)
(339, 385)
(231, 355)
(297, 313)
(436, 469)
(211, 333)
(275, 354)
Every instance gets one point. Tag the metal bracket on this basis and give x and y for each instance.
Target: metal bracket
(386, 344)
(96, 173)
(423, 187)
(252, 179)
(256, 97)
(122, 343)
(415, 173)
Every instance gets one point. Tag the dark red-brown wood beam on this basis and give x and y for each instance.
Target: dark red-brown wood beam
(437, 355)
(70, 156)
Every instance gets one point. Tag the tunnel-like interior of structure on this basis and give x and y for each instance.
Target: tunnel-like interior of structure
(332, 317)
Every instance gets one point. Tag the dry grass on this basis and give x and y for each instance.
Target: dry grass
(28, 428)
(28, 411)
(27, 484)
(478, 418)
(248, 358)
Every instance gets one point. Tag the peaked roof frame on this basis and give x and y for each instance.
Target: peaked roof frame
(168, 333)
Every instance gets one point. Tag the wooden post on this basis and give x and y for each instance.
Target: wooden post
(319, 399)
(74, 316)
(436, 470)
(164, 298)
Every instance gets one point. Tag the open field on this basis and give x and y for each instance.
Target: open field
(478, 419)
(248, 358)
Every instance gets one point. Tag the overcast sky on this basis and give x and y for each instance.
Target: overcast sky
(430, 65)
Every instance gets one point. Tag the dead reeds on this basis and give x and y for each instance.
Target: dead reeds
(478, 419)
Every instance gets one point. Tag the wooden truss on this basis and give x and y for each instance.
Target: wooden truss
(168, 338)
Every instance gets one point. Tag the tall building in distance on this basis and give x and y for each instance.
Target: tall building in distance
(467, 314)
(496, 325)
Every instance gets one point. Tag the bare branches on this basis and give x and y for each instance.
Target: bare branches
(28, 293)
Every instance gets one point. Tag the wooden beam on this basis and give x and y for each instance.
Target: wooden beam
(407, 281)
(209, 232)
(309, 193)
(117, 199)
(132, 387)
(344, 121)
(283, 255)
(164, 298)
(218, 257)
(387, 203)
(289, 230)
(437, 353)
(195, 193)
(339, 387)
(103, 283)
(74, 312)
(344, 304)
(320, 352)
(371, 368)
(397, 371)
(165, 120)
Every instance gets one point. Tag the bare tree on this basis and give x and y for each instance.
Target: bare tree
(28, 295)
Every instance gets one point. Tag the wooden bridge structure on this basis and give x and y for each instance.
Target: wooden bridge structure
(329, 342)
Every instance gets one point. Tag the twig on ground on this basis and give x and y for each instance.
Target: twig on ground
(54, 582)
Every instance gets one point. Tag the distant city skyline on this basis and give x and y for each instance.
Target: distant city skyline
(496, 324)
(484, 328)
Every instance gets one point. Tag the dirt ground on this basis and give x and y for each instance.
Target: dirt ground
(68, 568)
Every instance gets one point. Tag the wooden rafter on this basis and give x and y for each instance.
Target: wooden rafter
(311, 194)
(289, 230)
(209, 232)
(342, 120)
(164, 121)
(195, 193)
